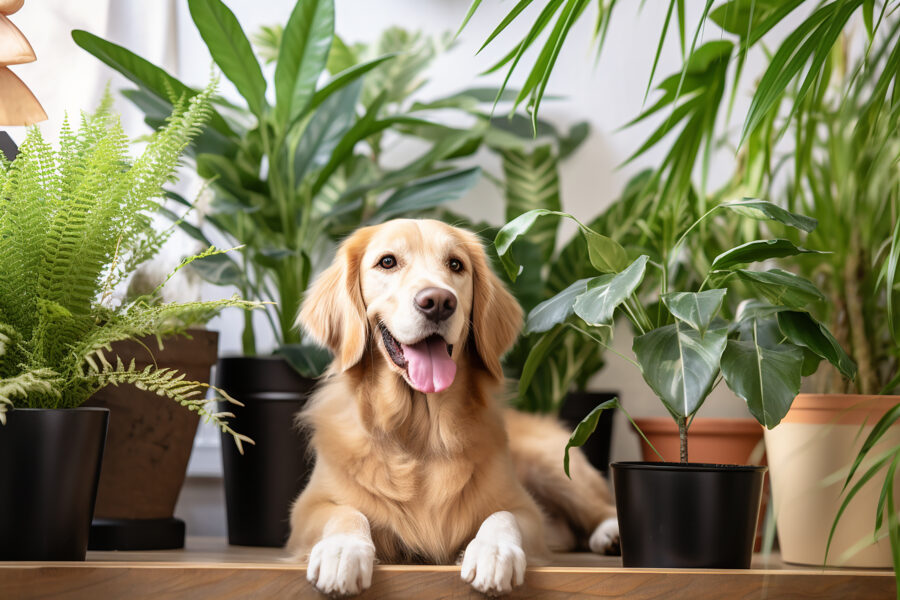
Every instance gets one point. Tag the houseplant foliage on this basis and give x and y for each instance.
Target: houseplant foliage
(293, 174)
(75, 223)
(686, 343)
(685, 346)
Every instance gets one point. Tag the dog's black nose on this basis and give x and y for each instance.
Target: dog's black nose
(436, 304)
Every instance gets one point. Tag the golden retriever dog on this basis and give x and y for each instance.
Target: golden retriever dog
(416, 459)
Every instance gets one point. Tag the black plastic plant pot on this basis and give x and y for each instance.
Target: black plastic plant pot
(674, 515)
(261, 484)
(48, 481)
(575, 407)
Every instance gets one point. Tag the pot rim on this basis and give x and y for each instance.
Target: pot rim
(687, 467)
(839, 409)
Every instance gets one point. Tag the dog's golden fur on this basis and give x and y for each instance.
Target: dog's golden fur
(425, 470)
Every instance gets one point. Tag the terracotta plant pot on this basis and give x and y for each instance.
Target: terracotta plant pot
(712, 441)
(715, 441)
(811, 452)
(148, 447)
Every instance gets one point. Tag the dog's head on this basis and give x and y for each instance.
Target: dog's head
(423, 293)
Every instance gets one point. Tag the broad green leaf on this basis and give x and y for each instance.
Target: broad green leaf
(231, 50)
(801, 329)
(308, 360)
(328, 124)
(697, 309)
(429, 192)
(767, 379)
(605, 254)
(755, 251)
(584, 430)
(302, 58)
(781, 288)
(536, 356)
(762, 210)
(680, 365)
(144, 73)
(742, 16)
(604, 294)
(556, 310)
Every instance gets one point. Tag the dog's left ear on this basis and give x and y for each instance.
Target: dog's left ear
(334, 312)
(496, 315)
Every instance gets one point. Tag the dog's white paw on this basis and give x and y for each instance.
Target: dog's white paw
(494, 562)
(605, 539)
(341, 564)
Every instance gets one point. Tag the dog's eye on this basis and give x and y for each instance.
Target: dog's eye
(455, 265)
(387, 262)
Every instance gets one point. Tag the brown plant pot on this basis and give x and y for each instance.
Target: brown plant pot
(148, 447)
(811, 452)
(713, 441)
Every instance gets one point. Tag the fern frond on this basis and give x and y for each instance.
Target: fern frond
(170, 384)
(40, 382)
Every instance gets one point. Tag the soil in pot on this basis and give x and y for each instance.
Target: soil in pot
(692, 515)
(575, 407)
(48, 482)
(148, 447)
(262, 484)
(811, 452)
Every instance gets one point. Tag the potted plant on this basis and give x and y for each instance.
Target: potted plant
(845, 171)
(75, 223)
(688, 514)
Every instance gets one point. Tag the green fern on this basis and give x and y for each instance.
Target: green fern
(74, 224)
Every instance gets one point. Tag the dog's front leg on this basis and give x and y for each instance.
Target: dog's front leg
(494, 562)
(341, 562)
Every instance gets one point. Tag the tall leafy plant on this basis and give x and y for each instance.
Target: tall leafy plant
(74, 224)
(685, 346)
(292, 175)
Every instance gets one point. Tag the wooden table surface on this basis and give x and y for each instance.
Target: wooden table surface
(209, 568)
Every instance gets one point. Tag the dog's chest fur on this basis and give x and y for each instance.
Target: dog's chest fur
(416, 467)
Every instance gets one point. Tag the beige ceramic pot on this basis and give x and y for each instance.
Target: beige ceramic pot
(810, 454)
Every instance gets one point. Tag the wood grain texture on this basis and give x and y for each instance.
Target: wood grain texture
(208, 568)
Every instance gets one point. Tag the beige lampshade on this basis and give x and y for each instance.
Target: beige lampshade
(14, 48)
(18, 106)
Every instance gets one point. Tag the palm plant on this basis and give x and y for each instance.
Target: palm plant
(74, 224)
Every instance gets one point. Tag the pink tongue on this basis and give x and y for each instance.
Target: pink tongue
(429, 365)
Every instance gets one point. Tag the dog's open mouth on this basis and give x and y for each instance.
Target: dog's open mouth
(427, 363)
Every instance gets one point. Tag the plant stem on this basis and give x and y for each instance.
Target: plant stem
(865, 377)
(682, 438)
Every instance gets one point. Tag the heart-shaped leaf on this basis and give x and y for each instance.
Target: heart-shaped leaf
(756, 251)
(604, 294)
(768, 379)
(697, 309)
(680, 365)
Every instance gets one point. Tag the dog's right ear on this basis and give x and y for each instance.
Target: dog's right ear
(333, 312)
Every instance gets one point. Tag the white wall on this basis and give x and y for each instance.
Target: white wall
(607, 95)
